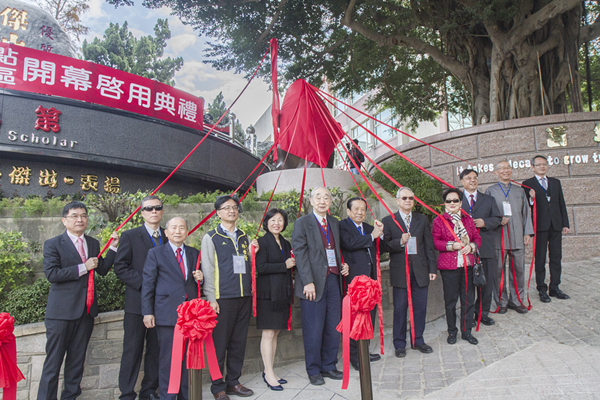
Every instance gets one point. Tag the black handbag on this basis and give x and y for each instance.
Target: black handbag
(478, 275)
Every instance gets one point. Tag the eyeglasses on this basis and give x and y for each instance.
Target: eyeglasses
(411, 198)
(76, 217)
(540, 165)
(455, 201)
(150, 208)
(228, 208)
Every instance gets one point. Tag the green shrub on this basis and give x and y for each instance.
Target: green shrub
(27, 304)
(34, 206)
(172, 199)
(111, 292)
(14, 260)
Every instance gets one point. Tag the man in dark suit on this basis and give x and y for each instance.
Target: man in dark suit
(414, 238)
(169, 279)
(552, 223)
(316, 244)
(129, 267)
(486, 215)
(69, 263)
(358, 243)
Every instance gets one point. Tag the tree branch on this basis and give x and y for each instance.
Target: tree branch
(273, 20)
(589, 32)
(519, 32)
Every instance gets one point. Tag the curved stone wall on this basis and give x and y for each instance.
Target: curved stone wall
(573, 153)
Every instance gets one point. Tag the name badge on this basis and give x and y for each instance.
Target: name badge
(239, 265)
(507, 209)
(411, 245)
(331, 261)
(548, 198)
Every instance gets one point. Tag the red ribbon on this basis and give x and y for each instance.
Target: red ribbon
(363, 295)
(275, 109)
(195, 323)
(253, 258)
(380, 305)
(10, 374)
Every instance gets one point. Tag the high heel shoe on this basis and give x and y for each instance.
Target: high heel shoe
(276, 388)
(281, 381)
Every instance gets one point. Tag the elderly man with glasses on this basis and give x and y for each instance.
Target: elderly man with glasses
(228, 286)
(415, 239)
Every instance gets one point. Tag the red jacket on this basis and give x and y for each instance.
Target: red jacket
(442, 235)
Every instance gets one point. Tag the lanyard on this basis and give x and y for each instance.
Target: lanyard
(361, 230)
(153, 242)
(323, 230)
(547, 182)
(469, 201)
(505, 193)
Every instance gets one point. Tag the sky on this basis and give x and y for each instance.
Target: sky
(194, 77)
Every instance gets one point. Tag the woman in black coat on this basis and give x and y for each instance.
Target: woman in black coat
(274, 265)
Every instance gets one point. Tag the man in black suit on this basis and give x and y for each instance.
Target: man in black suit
(552, 223)
(414, 238)
(169, 279)
(486, 215)
(316, 244)
(358, 243)
(69, 263)
(129, 267)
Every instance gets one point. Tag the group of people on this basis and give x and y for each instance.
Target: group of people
(161, 272)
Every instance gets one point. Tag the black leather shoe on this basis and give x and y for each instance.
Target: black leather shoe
(280, 381)
(355, 365)
(374, 357)
(544, 298)
(559, 294)
(469, 338)
(502, 310)
(316, 379)
(451, 338)
(151, 396)
(424, 348)
(239, 390)
(401, 352)
(276, 387)
(487, 321)
(333, 374)
(521, 309)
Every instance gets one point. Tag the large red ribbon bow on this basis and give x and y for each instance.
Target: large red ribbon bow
(10, 374)
(195, 323)
(363, 295)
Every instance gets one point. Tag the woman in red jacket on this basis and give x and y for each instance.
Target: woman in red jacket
(455, 262)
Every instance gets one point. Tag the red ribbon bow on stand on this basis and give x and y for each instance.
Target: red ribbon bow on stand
(195, 323)
(363, 295)
(10, 374)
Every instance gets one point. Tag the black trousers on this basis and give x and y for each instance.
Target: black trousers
(165, 342)
(453, 282)
(70, 337)
(229, 337)
(548, 242)
(485, 293)
(135, 334)
(419, 298)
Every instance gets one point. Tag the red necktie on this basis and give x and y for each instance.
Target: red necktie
(180, 261)
(89, 299)
(324, 225)
(472, 201)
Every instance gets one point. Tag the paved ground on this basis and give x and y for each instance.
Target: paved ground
(552, 352)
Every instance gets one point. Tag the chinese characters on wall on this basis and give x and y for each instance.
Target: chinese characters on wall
(21, 175)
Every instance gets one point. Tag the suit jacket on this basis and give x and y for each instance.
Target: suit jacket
(442, 234)
(129, 264)
(274, 280)
(485, 207)
(355, 249)
(421, 264)
(68, 290)
(550, 215)
(163, 287)
(311, 258)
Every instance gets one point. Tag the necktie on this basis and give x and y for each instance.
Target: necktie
(324, 224)
(180, 262)
(472, 201)
(156, 235)
(89, 299)
(360, 229)
(407, 220)
(544, 183)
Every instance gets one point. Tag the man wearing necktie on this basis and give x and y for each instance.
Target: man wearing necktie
(69, 263)
(358, 243)
(486, 215)
(552, 223)
(129, 267)
(316, 244)
(169, 279)
(414, 238)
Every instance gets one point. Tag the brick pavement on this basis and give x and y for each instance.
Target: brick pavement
(552, 352)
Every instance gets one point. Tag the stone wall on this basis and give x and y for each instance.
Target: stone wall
(575, 162)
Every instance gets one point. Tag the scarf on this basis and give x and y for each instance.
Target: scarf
(459, 229)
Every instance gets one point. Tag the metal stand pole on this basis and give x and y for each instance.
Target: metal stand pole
(195, 384)
(366, 388)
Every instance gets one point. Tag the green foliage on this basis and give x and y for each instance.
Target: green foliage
(27, 304)
(201, 198)
(425, 188)
(110, 291)
(14, 260)
(171, 199)
(218, 108)
(144, 56)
